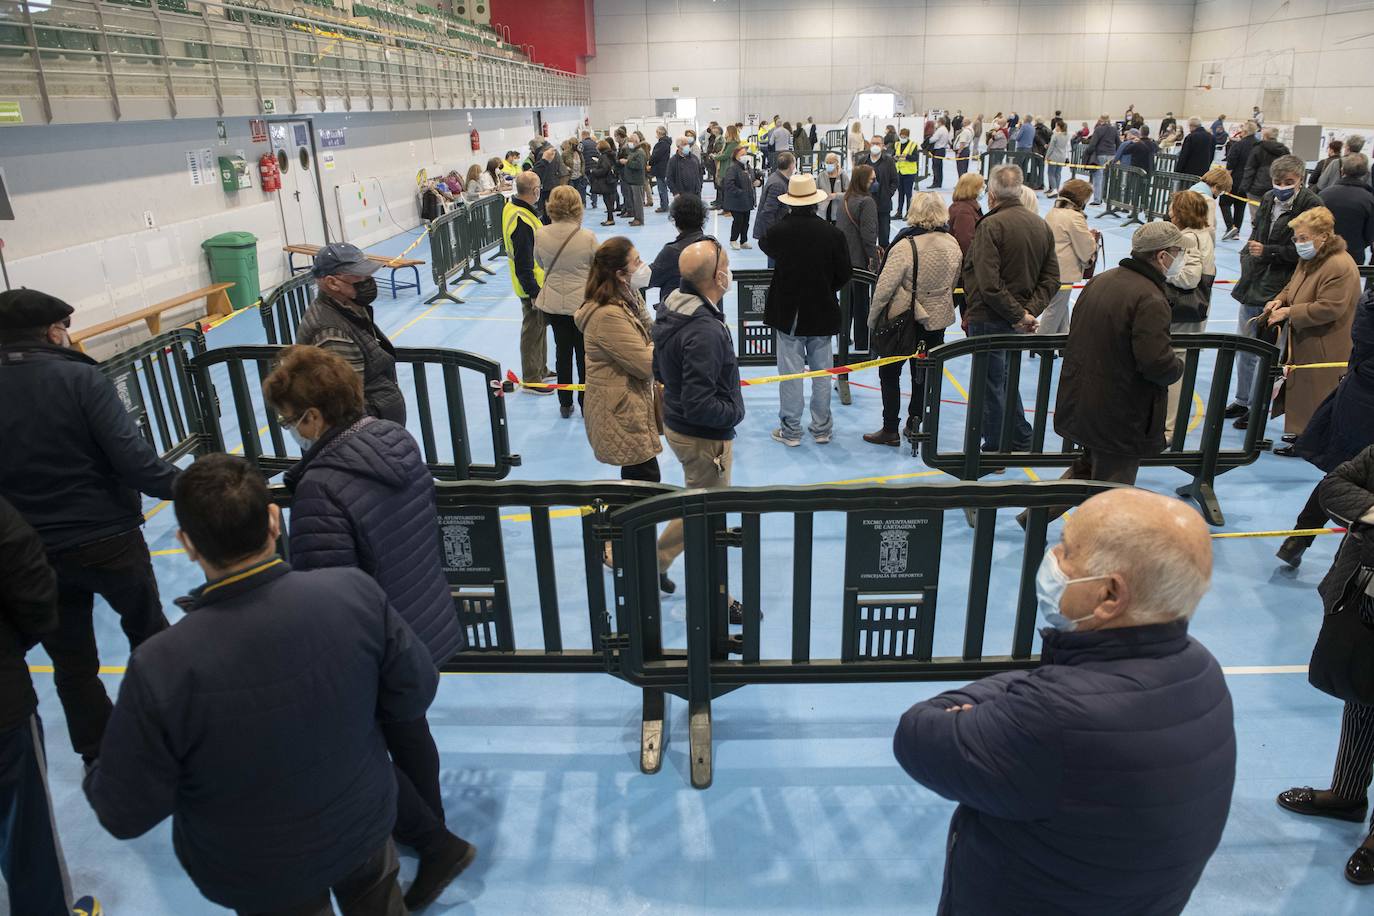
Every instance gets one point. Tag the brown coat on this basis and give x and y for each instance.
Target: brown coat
(1321, 295)
(620, 410)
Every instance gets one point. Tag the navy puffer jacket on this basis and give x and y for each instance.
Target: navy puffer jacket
(1097, 783)
(363, 496)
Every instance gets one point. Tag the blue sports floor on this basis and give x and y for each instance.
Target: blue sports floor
(808, 811)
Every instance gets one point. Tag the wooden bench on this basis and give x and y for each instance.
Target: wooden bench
(394, 263)
(216, 303)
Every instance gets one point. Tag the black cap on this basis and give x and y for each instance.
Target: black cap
(28, 308)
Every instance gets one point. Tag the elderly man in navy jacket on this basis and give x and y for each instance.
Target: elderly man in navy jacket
(254, 721)
(1100, 781)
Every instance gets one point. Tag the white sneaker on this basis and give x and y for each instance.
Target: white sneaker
(745, 245)
(822, 439)
(734, 246)
(779, 437)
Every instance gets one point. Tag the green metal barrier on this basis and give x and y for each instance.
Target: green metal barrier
(889, 607)
(952, 441)
(1032, 165)
(282, 309)
(1162, 187)
(1165, 162)
(153, 380)
(251, 419)
(1125, 189)
(450, 251)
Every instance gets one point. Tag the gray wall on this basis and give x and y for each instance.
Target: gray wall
(809, 57)
(1296, 59)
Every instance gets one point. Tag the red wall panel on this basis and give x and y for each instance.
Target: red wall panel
(561, 31)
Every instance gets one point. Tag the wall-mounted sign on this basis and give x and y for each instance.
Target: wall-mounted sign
(222, 132)
(332, 137)
(201, 166)
(269, 106)
(258, 128)
(10, 113)
(328, 160)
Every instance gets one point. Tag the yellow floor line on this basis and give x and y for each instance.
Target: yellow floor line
(955, 382)
(425, 314)
(156, 509)
(466, 318)
(170, 552)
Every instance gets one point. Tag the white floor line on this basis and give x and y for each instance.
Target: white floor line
(1265, 669)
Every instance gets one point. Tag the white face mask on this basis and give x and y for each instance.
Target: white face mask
(876, 150)
(1175, 267)
(640, 278)
(1306, 250)
(830, 168)
(1050, 584)
(302, 443)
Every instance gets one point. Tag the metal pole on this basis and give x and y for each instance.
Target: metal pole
(109, 64)
(37, 62)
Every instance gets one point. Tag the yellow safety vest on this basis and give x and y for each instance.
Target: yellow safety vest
(509, 169)
(764, 133)
(510, 216)
(904, 150)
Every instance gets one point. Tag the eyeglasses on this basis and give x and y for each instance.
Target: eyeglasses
(287, 424)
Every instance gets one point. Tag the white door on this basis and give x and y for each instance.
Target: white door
(302, 211)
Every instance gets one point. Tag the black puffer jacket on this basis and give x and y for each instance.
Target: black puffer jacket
(601, 170)
(1346, 494)
(1257, 180)
(694, 358)
(28, 610)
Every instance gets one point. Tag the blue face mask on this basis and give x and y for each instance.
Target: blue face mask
(1050, 583)
(1284, 193)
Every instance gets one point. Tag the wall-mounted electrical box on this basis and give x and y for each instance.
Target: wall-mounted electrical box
(233, 173)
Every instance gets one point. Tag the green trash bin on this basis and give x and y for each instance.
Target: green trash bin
(234, 259)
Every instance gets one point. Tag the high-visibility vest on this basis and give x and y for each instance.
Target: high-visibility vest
(510, 217)
(510, 168)
(765, 134)
(903, 150)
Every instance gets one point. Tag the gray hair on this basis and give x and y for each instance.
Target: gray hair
(1005, 183)
(526, 182)
(927, 210)
(1194, 122)
(1354, 143)
(1354, 165)
(1163, 575)
(1289, 165)
(1270, 133)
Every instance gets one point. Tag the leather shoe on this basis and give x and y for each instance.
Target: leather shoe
(1242, 421)
(883, 437)
(1291, 551)
(666, 585)
(1290, 438)
(565, 410)
(1286, 451)
(1303, 800)
(1359, 868)
(1234, 410)
(438, 870)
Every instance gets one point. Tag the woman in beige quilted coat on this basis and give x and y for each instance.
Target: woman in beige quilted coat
(621, 412)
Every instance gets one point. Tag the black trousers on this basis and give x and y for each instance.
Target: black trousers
(371, 889)
(419, 801)
(646, 470)
(1355, 756)
(568, 348)
(859, 301)
(739, 225)
(1099, 465)
(1312, 515)
(890, 377)
(1232, 211)
(30, 856)
(120, 570)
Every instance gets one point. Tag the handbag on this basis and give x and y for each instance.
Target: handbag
(896, 336)
(1343, 659)
(1190, 304)
(549, 269)
(1091, 269)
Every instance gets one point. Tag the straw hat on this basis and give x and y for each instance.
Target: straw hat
(802, 192)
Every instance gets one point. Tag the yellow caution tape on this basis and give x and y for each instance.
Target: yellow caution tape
(1318, 366)
(1241, 197)
(1295, 533)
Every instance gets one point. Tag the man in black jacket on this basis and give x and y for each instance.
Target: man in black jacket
(884, 187)
(1009, 277)
(694, 360)
(1100, 148)
(1197, 152)
(30, 855)
(1233, 205)
(688, 214)
(1257, 180)
(812, 265)
(1351, 202)
(684, 170)
(254, 722)
(659, 158)
(76, 478)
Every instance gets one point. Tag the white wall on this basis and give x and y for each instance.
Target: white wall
(1313, 56)
(79, 193)
(809, 57)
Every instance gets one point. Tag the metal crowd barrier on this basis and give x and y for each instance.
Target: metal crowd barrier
(281, 312)
(754, 339)
(154, 382)
(249, 412)
(458, 239)
(1204, 461)
(889, 626)
(1161, 187)
(1124, 189)
(1032, 164)
(1166, 162)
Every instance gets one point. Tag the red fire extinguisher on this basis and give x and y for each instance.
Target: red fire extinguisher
(476, 140)
(268, 174)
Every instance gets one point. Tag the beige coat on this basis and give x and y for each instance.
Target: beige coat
(621, 408)
(565, 287)
(1074, 245)
(1322, 296)
(937, 274)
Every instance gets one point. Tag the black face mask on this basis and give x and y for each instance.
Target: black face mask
(365, 291)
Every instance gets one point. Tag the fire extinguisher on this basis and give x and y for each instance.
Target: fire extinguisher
(268, 174)
(476, 140)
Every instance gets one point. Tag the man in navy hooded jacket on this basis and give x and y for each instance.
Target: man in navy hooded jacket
(1100, 781)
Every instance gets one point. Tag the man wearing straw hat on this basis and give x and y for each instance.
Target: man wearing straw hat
(811, 265)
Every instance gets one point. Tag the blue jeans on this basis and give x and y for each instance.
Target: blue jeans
(905, 185)
(1246, 363)
(798, 354)
(1054, 175)
(996, 395)
(662, 191)
(1099, 175)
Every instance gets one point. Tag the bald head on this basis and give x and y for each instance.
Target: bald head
(1152, 556)
(527, 186)
(706, 266)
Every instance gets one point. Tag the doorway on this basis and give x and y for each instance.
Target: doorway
(299, 201)
(877, 105)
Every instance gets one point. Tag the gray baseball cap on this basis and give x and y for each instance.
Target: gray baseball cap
(1156, 236)
(343, 258)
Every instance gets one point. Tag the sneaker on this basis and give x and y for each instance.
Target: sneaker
(608, 222)
(1234, 410)
(745, 245)
(737, 612)
(438, 870)
(87, 906)
(883, 437)
(1231, 234)
(734, 246)
(779, 437)
(636, 222)
(822, 439)
(539, 391)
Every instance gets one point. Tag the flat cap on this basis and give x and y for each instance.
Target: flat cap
(28, 308)
(1156, 236)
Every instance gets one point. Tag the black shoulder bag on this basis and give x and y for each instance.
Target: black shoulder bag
(896, 336)
(1343, 658)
